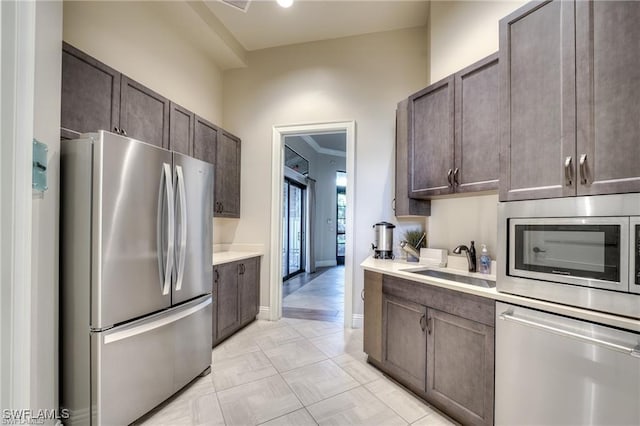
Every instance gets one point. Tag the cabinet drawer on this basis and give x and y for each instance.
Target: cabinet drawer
(464, 305)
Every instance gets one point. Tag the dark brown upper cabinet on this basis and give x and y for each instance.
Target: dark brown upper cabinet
(454, 134)
(477, 134)
(97, 97)
(90, 97)
(431, 115)
(222, 149)
(608, 97)
(227, 176)
(569, 110)
(144, 114)
(402, 204)
(181, 129)
(205, 136)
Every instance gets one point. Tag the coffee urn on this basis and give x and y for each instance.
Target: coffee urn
(383, 247)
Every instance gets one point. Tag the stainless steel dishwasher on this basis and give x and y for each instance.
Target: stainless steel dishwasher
(554, 370)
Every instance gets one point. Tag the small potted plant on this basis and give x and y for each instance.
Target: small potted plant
(417, 239)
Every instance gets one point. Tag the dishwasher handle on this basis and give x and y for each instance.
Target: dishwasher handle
(509, 316)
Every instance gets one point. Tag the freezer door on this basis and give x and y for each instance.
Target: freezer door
(193, 187)
(131, 260)
(553, 370)
(134, 366)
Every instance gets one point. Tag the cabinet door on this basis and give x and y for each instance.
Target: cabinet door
(373, 315)
(537, 62)
(431, 140)
(204, 142)
(403, 205)
(227, 303)
(227, 180)
(477, 138)
(249, 287)
(460, 367)
(90, 94)
(144, 114)
(404, 340)
(608, 90)
(181, 126)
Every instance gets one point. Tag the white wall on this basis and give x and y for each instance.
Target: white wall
(356, 78)
(45, 213)
(462, 33)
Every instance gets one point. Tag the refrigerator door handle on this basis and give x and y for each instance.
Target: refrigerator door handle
(168, 184)
(182, 245)
(153, 324)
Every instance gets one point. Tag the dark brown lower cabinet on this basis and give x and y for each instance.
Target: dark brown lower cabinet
(404, 341)
(440, 344)
(460, 367)
(236, 292)
(372, 332)
(248, 277)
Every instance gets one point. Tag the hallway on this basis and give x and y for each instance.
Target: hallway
(318, 296)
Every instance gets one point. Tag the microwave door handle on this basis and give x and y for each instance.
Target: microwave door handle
(508, 315)
(182, 245)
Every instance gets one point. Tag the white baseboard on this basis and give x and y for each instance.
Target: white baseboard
(264, 313)
(357, 320)
(323, 263)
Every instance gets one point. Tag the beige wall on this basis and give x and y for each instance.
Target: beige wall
(44, 249)
(462, 33)
(142, 40)
(356, 78)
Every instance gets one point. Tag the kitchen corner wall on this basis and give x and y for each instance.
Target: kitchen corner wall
(461, 33)
(355, 78)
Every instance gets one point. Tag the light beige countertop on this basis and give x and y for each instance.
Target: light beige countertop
(400, 269)
(226, 253)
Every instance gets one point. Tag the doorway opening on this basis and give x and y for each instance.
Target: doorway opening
(341, 216)
(314, 160)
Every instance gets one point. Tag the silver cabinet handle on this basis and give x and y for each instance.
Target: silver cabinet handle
(583, 169)
(449, 173)
(456, 173)
(567, 170)
(168, 182)
(429, 325)
(422, 323)
(393, 205)
(362, 294)
(182, 244)
(635, 352)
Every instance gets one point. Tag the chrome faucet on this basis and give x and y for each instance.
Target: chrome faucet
(471, 255)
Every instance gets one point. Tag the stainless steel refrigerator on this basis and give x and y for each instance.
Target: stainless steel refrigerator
(135, 276)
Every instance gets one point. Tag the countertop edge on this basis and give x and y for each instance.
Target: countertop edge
(394, 268)
(223, 257)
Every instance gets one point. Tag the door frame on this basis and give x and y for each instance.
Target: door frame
(17, 371)
(277, 172)
(303, 229)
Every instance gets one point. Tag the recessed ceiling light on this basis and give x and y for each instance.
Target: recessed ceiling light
(285, 3)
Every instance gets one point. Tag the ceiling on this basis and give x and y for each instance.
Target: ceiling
(324, 143)
(265, 24)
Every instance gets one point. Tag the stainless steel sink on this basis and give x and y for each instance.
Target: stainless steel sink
(453, 277)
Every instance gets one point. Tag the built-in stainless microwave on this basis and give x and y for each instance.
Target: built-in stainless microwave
(580, 251)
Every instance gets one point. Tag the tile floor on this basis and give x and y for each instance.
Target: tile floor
(294, 372)
(320, 298)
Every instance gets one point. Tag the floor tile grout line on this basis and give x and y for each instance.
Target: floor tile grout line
(395, 411)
